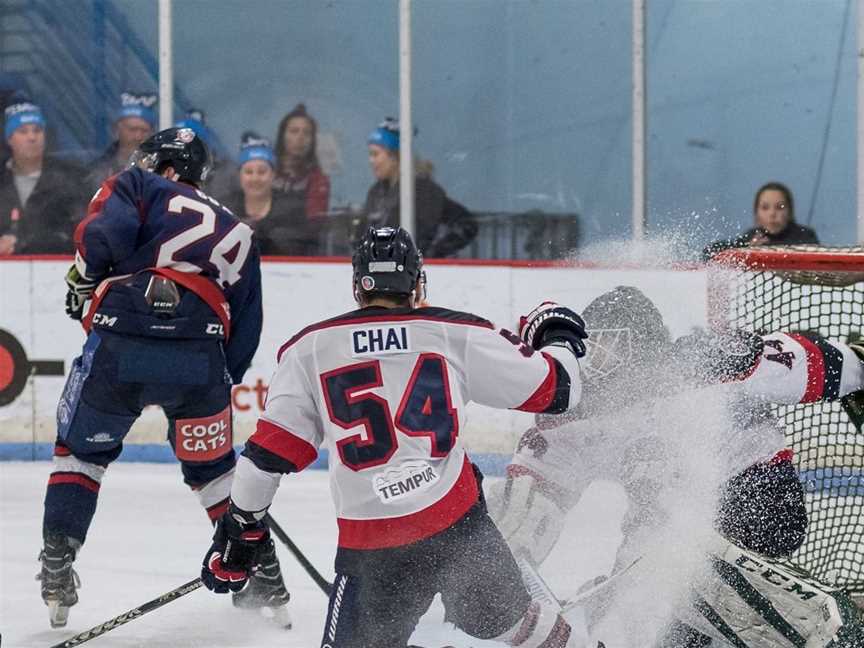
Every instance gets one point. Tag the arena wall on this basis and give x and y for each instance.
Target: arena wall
(38, 342)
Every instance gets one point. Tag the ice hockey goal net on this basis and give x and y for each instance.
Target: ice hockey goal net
(816, 289)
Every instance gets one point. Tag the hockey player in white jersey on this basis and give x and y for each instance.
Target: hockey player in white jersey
(632, 374)
(385, 386)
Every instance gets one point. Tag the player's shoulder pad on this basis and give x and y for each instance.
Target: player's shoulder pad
(333, 321)
(436, 313)
(432, 314)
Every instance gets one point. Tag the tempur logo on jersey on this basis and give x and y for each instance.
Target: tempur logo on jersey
(379, 340)
(400, 482)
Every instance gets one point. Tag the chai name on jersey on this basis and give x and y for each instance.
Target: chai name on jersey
(397, 483)
(379, 340)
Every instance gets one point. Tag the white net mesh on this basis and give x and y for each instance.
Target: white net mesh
(819, 290)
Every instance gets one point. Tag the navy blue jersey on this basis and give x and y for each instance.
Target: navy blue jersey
(139, 221)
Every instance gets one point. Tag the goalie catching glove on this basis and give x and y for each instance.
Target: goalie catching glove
(552, 323)
(79, 290)
(722, 356)
(525, 511)
(237, 542)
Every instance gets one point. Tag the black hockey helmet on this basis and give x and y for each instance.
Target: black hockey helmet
(626, 331)
(387, 261)
(180, 148)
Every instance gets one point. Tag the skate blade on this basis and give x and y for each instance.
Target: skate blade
(58, 614)
(280, 616)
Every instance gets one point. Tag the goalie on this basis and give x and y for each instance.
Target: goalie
(634, 376)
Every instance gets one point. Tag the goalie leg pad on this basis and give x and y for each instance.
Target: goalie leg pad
(751, 600)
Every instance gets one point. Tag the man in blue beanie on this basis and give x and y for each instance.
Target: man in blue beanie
(40, 197)
(134, 122)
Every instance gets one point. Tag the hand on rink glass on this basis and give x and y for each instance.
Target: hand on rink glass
(7, 244)
(235, 549)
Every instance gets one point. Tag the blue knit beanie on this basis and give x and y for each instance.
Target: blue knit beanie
(386, 135)
(134, 104)
(20, 114)
(255, 147)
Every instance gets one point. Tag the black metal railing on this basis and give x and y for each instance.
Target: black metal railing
(74, 59)
(533, 235)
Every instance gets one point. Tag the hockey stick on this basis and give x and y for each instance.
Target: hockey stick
(320, 581)
(131, 615)
(580, 598)
(537, 587)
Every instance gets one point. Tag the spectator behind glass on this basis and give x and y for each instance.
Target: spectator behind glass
(40, 198)
(134, 122)
(280, 227)
(774, 223)
(221, 181)
(443, 226)
(298, 172)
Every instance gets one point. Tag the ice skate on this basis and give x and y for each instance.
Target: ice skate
(266, 589)
(59, 580)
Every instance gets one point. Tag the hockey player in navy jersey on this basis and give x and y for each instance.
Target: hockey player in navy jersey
(386, 386)
(167, 284)
(638, 386)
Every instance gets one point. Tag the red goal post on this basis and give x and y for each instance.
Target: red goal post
(820, 290)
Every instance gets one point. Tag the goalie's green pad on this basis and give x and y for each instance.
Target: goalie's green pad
(750, 601)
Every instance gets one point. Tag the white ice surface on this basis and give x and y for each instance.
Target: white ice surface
(149, 536)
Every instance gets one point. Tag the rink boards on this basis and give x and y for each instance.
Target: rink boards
(38, 342)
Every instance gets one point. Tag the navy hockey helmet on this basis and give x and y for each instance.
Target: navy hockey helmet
(180, 148)
(387, 261)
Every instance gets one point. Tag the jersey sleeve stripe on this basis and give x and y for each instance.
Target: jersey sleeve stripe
(833, 361)
(275, 449)
(397, 531)
(553, 394)
(815, 369)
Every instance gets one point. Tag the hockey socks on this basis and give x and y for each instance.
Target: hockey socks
(70, 499)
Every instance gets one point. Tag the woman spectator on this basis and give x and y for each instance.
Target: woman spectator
(443, 226)
(298, 172)
(773, 223)
(280, 228)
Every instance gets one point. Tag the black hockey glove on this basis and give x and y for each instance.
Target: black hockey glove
(78, 292)
(236, 545)
(552, 323)
(718, 356)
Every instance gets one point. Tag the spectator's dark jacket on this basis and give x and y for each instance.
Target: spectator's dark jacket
(443, 226)
(284, 231)
(794, 234)
(46, 223)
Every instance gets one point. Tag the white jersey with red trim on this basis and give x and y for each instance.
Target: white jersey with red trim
(386, 390)
(571, 451)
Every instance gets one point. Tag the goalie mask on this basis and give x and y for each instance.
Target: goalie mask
(386, 261)
(626, 332)
(180, 148)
